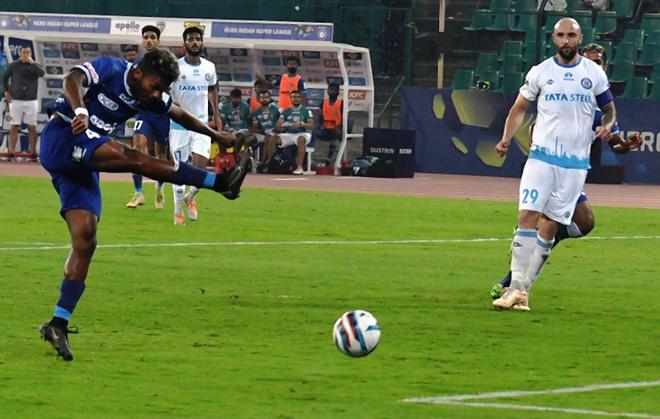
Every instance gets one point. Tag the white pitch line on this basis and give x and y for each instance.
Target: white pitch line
(510, 394)
(55, 246)
(553, 409)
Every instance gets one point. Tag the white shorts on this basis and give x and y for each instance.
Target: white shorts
(23, 111)
(183, 143)
(550, 190)
(261, 138)
(292, 139)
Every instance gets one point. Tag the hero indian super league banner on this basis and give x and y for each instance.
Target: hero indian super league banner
(272, 30)
(457, 131)
(54, 23)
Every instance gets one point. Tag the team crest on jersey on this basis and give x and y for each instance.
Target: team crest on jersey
(568, 76)
(107, 102)
(550, 81)
(183, 77)
(586, 83)
(208, 76)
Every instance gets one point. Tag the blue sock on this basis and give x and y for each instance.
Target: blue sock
(187, 174)
(70, 293)
(506, 281)
(137, 183)
(160, 184)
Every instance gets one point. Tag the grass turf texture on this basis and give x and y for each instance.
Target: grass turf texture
(245, 331)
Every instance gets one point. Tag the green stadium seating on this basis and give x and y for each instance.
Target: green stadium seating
(584, 18)
(572, 5)
(636, 88)
(650, 22)
(625, 53)
(589, 35)
(500, 21)
(650, 55)
(635, 37)
(622, 72)
(523, 22)
(486, 61)
(551, 19)
(512, 82)
(524, 6)
(655, 74)
(652, 37)
(512, 47)
(512, 63)
(529, 56)
(500, 5)
(605, 23)
(481, 18)
(463, 79)
(607, 45)
(490, 76)
(655, 91)
(623, 8)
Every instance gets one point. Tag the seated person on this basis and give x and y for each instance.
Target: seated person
(235, 118)
(264, 119)
(255, 103)
(295, 125)
(331, 120)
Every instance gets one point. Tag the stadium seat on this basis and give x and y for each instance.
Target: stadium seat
(529, 56)
(500, 5)
(486, 61)
(584, 19)
(636, 88)
(523, 22)
(524, 6)
(655, 91)
(481, 18)
(655, 74)
(463, 79)
(492, 77)
(512, 47)
(512, 63)
(607, 45)
(652, 37)
(605, 23)
(571, 6)
(552, 18)
(635, 37)
(500, 21)
(622, 72)
(625, 53)
(650, 55)
(651, 22)
(623, 8)
(512, 81)
(589, 35)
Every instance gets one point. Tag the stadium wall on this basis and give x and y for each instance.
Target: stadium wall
(457, 131)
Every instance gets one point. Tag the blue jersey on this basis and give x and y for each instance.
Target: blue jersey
(154, 127)
(109, 100)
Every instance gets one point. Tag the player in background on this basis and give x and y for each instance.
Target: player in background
(583, 221)
(289, 82)
(194, 89)
(150, 128)
(569, 89)
(264, 120)
(331, 120)
(75, 147)
(255, 103)
(295, 125)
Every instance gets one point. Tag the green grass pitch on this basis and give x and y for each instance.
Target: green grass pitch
(225, 329)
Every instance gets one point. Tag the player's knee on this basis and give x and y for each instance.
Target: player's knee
(85, 242)
(587, 224)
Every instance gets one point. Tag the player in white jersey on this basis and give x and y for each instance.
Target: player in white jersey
(569, 89)
(194, 89)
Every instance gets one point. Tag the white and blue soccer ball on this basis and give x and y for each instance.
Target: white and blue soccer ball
(356, 333)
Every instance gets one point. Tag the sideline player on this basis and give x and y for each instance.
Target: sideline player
(150, 127)
(569, 89)
(264, 120)
(295, 124)
(194, 89)
(289, 82)
(583, 221)
(75, 147)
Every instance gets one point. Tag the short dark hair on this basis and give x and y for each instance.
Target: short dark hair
(193, 29)
(295, 91)
(292, 58)
(129, 48)
(333, 84)
(151, 28)
(597, 48)
(25, 47)
(162, 63)
(236, 93)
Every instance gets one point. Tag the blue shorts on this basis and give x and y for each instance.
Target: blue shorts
(154, 127)
(582, 197)
(67, 158)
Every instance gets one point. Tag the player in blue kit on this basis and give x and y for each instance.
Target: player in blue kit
(583, 221)
(150, 127)
(75, 147)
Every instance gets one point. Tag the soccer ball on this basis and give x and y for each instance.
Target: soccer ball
(356, 333)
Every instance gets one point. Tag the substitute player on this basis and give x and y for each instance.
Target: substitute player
(193, 90)
(569, 89)
(295, 125)
(583, 221)
(150, 128)
(75, 147)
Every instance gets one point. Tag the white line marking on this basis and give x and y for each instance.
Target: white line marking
(458, 400)
(553, 409)
(510, 394)
(56, 246)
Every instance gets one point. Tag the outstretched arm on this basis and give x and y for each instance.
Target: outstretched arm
(189, 122)
(513, 122)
